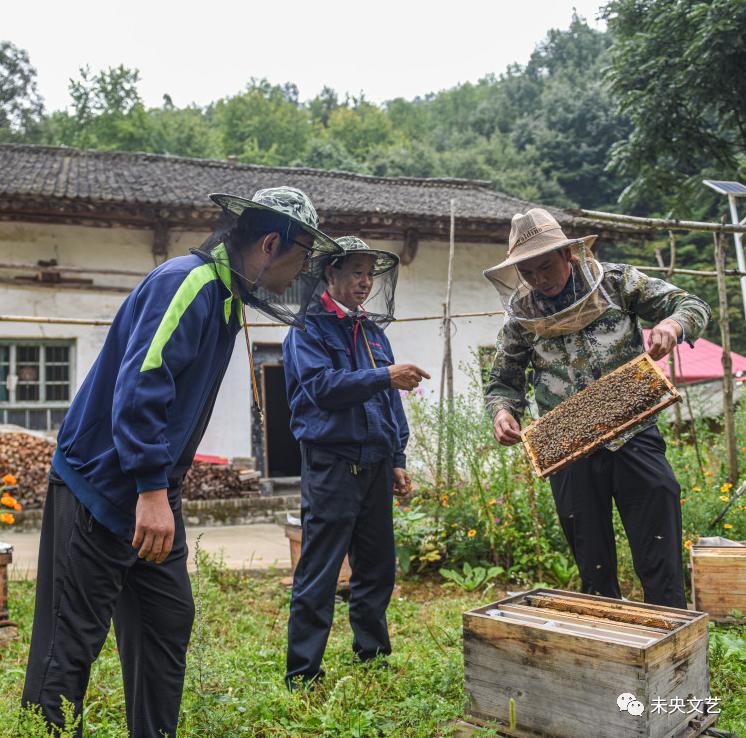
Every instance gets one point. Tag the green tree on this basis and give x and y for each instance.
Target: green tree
(677, 71)
(568, 122)
(21, 106)
(182, 131)
(263, 125)
(360, 128)
(107, 113)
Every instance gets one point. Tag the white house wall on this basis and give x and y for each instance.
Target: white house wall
(421, 291)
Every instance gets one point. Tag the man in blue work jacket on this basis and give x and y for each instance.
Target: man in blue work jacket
(112, 540)
(346, 412)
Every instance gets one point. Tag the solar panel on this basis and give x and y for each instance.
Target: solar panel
(726, 188)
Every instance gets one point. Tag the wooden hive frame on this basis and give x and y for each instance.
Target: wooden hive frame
(537, 672)
(672, 397)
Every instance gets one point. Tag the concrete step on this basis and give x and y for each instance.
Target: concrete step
(279, 486)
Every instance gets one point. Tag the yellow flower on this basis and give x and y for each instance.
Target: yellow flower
(10, 480)
(727, 526)
(454, 525)
(471, 533)
(724, 498)
(8, 501)
(687, 545)
(726, 487)
(493, 501)
(7, 518)
(696, 489)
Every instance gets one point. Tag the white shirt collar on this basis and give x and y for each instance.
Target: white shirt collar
(342, 307)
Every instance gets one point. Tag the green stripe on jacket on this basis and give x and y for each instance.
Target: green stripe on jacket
(180, 302)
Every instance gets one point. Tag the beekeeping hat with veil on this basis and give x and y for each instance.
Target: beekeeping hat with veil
(282, 287)
(381, 266)
(287, 211)
(583, 299)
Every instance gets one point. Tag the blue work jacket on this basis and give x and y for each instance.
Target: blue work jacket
(339, 388)
(136, 422)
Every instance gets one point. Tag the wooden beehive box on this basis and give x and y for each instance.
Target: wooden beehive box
(597, 414)
(566, 668)
(719, 580)
(294, 534)
(7, 627)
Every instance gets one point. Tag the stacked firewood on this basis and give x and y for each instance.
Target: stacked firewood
(27, 457)
(206, 481)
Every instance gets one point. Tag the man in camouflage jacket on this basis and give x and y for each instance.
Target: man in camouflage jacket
(632, 470)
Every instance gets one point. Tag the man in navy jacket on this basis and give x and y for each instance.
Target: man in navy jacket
(346, 412)
(113, 541)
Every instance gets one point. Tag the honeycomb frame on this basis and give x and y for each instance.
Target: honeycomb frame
(648, 366)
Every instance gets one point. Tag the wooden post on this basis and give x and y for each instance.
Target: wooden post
(439, 463)
(446, 380)
(728, 415)
(677, 406)
(448, 352)
(6, 558)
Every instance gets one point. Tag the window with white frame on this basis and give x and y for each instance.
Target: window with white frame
(35, 382)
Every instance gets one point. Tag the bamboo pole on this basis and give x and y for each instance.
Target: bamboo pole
(441, 418)
(663, 224)
(677, 406)
(57, 269)
(672, 260)
(106, 321)
(446, 380)
(448, 353)
(728, 415)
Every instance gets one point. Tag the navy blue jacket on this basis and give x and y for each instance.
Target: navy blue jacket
(338, 399)
(136, 422)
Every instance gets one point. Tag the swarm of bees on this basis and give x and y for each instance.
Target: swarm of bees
(599, 409)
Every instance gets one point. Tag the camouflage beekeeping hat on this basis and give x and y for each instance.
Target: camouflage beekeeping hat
(288, 201)
(385, 260)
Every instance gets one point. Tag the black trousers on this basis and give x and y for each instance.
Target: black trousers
(86, 576)
(341, 512)
(640, 480)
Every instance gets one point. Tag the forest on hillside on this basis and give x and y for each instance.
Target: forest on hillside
(630, 119)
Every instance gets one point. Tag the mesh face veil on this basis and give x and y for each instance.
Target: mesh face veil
(283, 286)
(583, 298)
(381, 267)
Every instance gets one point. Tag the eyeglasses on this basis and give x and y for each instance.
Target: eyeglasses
(307, 249)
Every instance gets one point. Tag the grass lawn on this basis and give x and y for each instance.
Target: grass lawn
(234, 684)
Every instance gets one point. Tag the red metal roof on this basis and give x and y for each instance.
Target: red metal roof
(700, 363)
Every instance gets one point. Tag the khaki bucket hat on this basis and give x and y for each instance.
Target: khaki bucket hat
(532, 234)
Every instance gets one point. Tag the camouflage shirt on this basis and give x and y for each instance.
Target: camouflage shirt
(563, 365)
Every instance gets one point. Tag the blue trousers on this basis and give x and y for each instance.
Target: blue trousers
(344, 510)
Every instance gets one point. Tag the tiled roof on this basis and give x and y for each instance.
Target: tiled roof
(153, 180)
